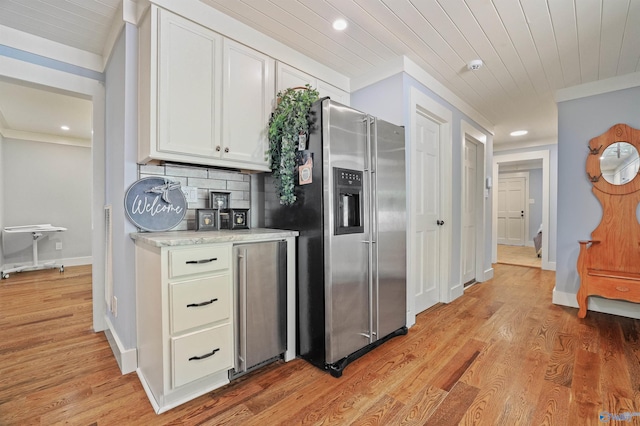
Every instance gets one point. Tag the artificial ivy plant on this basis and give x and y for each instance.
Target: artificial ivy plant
(289, 120)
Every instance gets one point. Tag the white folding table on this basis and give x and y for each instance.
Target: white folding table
(37, 232)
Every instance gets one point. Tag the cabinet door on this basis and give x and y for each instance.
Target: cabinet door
(289, 77)
(325, 89)
(189, 87)
(248, 94)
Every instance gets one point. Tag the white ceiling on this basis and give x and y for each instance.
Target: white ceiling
(530, 48)
(37, 114)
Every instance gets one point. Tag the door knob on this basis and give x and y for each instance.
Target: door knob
(226, 149)
(521, 213)
(440, 222)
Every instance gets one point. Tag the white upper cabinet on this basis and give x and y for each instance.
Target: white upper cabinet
(289, 77)
(206, 99)
(203, 99)
(325, 89)
(189, 88)
(248, 98)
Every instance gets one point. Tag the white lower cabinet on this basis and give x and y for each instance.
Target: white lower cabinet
(184, 301)
(199, 354)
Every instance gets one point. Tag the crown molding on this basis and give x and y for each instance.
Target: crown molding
(44, 137)
(599, 87)
(50, 49)
(406, 65)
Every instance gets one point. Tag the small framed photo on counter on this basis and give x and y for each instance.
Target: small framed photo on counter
(239, 218)
(207, 219)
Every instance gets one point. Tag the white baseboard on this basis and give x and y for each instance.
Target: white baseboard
(77, 261)
(455, 292)
(529, 244)
(488, 274)
(598, 304)
(127, 358)
(71, 261)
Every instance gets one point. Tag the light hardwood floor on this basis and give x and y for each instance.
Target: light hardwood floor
(502, 354)
(518, 255)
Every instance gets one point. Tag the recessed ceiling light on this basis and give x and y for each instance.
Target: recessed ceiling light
(339, 24)
(64, 127)
(519, 133)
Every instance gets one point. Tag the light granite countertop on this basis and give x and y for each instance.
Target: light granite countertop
(183, 238)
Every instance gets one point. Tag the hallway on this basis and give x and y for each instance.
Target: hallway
(518, 255)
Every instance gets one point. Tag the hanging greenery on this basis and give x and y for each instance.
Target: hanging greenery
(289, 120)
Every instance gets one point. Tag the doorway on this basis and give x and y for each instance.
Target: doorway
(542, 155)
(469, 211)
(426, 154)
(429, 201)
(92, 90)
(472, 208)
(513, 208)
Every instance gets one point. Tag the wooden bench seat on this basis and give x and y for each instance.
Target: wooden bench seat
(618, 275)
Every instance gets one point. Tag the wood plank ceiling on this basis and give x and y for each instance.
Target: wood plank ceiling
(530, 48)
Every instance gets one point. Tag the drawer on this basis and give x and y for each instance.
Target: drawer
(200, 301)
(198, 260)
(199, 354)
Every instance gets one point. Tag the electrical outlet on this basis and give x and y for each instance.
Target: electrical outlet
(190, 193)
(58, 246)
(114, 306)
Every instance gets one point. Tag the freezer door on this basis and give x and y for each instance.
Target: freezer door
(389, 229)
(347, 296)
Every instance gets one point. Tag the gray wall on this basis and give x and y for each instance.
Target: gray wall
(535, 209)
(579, 212)
(383, 100)
(2, 204)
(121, 172)
(389, 100)
(46, 183)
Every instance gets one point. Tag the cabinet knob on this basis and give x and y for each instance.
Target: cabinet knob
(226, 149)
(218, 148)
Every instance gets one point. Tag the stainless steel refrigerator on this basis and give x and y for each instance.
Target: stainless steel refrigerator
(351, 252)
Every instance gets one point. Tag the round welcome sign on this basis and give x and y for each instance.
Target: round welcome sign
(155, 204)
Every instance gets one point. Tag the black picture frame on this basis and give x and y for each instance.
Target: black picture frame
(239, 218)
(207, 219)
(223, 197)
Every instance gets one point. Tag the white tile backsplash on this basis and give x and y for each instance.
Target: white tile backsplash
(206, 180)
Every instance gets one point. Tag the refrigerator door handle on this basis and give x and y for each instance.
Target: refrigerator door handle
(367, 144)
(373, 265)
(370, 207)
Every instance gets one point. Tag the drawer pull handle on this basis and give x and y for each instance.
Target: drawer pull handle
(203, 356)
(195, 305)
(193, 262)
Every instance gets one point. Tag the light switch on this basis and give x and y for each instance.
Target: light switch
(190, 193)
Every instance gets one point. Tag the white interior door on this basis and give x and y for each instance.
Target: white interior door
(511, 209)
(469, 212)
(426, 187)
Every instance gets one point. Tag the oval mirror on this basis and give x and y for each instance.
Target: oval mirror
(619, 163)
